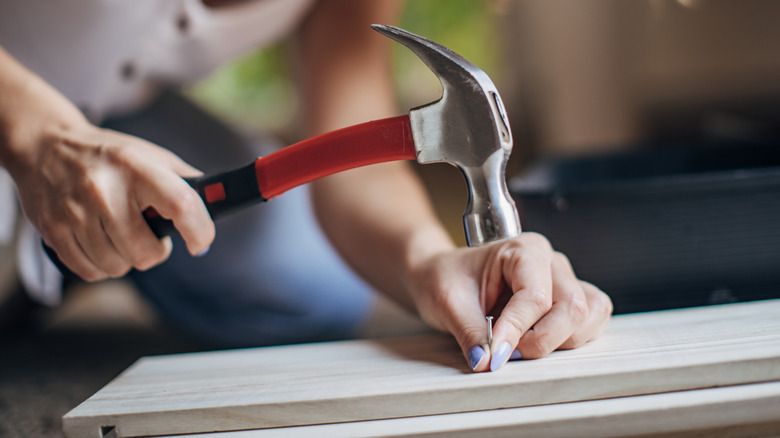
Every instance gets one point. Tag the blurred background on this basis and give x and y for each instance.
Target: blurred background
(258, 90)
(576, 76)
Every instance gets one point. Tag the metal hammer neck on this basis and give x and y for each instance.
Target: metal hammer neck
(491, 214)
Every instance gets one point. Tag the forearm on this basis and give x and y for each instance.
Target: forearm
(378, 217)
(380, 221)
(29, 109)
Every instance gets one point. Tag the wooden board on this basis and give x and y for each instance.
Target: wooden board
(735, 411)
(396, 378)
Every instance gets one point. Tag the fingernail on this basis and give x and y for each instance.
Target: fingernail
(516, 355)
(475, 356)
(500, 356)
(203, 253)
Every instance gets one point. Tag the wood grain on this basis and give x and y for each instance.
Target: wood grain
(396, 378)
(734, 411)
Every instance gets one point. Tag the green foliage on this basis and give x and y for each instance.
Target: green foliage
(253, 91)
(257, 90)
(465, 26)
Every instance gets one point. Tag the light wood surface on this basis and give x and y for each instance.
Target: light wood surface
(734, 411)
(396, 378)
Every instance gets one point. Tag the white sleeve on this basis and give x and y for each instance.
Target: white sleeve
(39, 275)
(7, 207)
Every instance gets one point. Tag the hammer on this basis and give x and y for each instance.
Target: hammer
(467, 127)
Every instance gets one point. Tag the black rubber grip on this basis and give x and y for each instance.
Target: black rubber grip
(239, 190)
(222, 194)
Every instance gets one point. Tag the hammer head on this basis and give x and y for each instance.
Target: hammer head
(467, 128)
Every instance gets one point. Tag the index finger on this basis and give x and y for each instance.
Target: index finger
(527, 271)
(174, 199)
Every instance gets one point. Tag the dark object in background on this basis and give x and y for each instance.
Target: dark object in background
(665, 228)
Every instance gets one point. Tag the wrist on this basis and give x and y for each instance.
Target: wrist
(425, 243)
(423, 247)
(25, 138)
(30, 112)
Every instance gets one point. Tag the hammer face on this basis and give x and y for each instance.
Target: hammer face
(467, 128)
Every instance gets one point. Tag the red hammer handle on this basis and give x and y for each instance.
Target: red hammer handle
(347, 148)
(270, 176)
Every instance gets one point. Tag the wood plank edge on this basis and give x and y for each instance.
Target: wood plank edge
(742, 410)
(231, 418)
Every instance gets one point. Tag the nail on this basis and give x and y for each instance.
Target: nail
(516, 355)
(475, 356)
(204, 252)
(490, 329)
(500, 356)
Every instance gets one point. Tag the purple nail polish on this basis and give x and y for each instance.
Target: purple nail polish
(516, 355)
(500, 356)
(475, 356)
(203, 253)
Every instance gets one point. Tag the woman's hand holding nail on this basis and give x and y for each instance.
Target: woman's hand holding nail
(538, 302)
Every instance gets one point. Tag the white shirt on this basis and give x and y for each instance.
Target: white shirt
(111, 56)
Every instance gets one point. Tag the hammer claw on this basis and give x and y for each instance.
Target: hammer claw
(468, 128)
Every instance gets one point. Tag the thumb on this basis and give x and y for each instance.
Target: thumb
(469, 326)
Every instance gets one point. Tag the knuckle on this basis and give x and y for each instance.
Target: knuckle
(510, 252)
(604, 304)
(537, 345)
(516, 258)
(148, 261)
(145, 264)
(120, 154)
(128, 233)
(521, 258)
(468, 336)
(600, 303)
(575, 340)
(52, 231)
(441, 299)
(185, 202)
(538, 241)
(98, 198)
(514, 319)
(118, 270)
(561, 259)
(92, 186)
(92, 275)
(578, 309)
(540, 298)
(150, 258)
(73, 213)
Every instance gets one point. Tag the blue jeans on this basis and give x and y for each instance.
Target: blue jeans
(270, 277)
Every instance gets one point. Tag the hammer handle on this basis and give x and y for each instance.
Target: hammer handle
(221, 194)
(270, 176)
